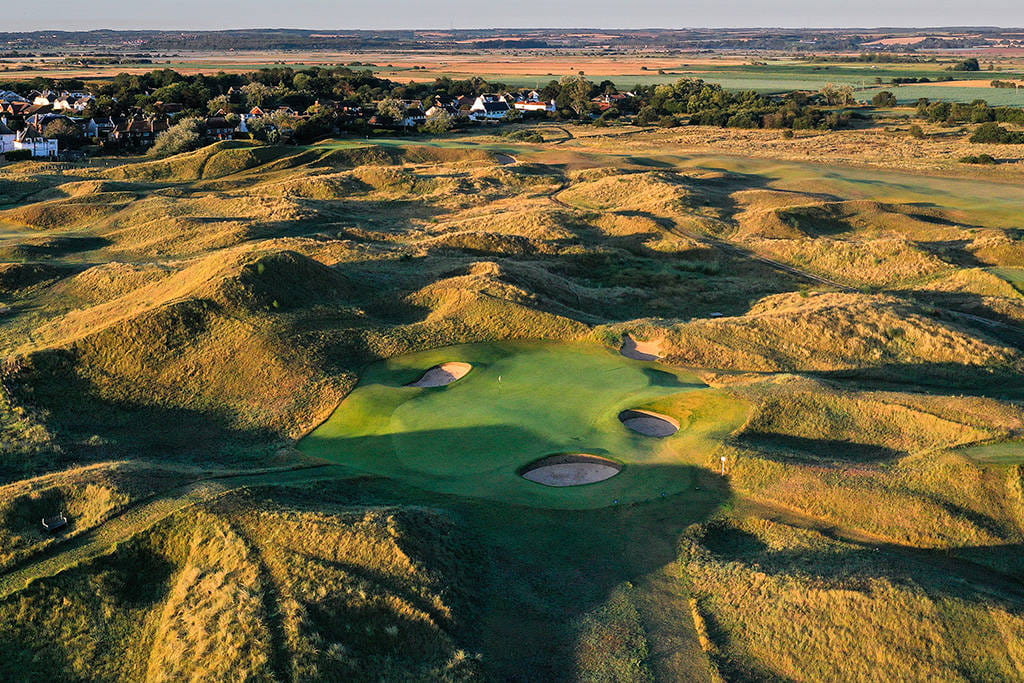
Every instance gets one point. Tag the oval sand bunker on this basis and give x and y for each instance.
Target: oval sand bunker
(649, 423)
(570, 469)
(443, 374)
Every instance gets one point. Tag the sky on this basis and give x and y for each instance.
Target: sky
(384, 14)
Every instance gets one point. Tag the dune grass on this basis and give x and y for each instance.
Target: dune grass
(200, 314)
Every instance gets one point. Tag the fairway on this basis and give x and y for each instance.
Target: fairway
(523, 402)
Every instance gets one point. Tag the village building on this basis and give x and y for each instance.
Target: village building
(219, 128)
(532, 101)
(489, 107)
(138, 131)
(6, 137)
(31, 138)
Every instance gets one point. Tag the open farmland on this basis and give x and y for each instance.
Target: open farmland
(212, 365)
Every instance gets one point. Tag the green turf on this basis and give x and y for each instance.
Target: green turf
(1015, 276)
(1002, 453)
(471, 437)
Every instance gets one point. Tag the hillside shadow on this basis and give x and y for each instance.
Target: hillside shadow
(931, 378)
(826, 449)
(90, 427)
(532, 574)
(968, 573)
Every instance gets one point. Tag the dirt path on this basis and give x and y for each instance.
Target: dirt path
(143, 515)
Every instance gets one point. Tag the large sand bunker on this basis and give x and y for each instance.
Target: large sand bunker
(440, 375)
(640, 350)
(570, 469)
(649, 423)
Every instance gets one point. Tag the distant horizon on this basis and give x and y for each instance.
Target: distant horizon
(199, 15)
(128, 29)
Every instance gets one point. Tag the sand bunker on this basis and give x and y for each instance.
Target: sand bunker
(640, 350)
(440, 375)
(570, 469)
(649, 423)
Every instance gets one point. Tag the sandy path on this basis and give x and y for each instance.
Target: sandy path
(640, 350)
(441, 375)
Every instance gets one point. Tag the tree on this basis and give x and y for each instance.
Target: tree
(220, 102)
(67, 134)
(884, 99)
(574, 94)
(391, 110)
(840, 95)
(256, 94)
(994, 133)
(184, 136)
(438, 122)
(969, 64)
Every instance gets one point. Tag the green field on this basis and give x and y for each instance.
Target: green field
(1001, 453)
(522, 402)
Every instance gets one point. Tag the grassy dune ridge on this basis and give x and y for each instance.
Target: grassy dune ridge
(173, 329)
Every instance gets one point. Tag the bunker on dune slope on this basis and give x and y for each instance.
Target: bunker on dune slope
(649, 423)
(440, 375)
(640, 350)
(570, 469)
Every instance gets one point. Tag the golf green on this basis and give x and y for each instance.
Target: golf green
(519, 403)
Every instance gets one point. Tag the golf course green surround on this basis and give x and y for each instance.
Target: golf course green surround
(522, 402)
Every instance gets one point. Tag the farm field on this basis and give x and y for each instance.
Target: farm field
(734, 71)
(208, 361)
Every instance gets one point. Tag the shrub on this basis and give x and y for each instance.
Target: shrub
(986, 159)
(994, 133)
(183, 136)
(884, 99)
(916, 132)
(18, 155)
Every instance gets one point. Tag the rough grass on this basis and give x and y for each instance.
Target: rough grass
(209, 309)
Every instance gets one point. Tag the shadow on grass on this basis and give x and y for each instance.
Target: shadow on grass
(828, 449)
(933, 378)
(91, 428)
(525, 577)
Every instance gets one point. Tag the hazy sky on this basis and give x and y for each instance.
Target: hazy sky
(328, 14)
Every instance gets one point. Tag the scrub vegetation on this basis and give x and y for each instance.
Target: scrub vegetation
(205, 369)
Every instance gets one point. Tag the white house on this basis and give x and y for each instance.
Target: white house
(532, 101)
(6, 137)
(489, 108)
(31, 139)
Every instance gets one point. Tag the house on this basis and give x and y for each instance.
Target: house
(220, 128)
(171, 109)
(489, 107)
(11, 96)
(41, 121)
(44, 98)
(532, 101)
(6, 136)
(32, 139)
(414, 116)
(445, 103)
(98, 127)
(138, 131)
(609, 100)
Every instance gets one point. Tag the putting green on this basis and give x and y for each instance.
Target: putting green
(522, 402)
(1000, 453)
